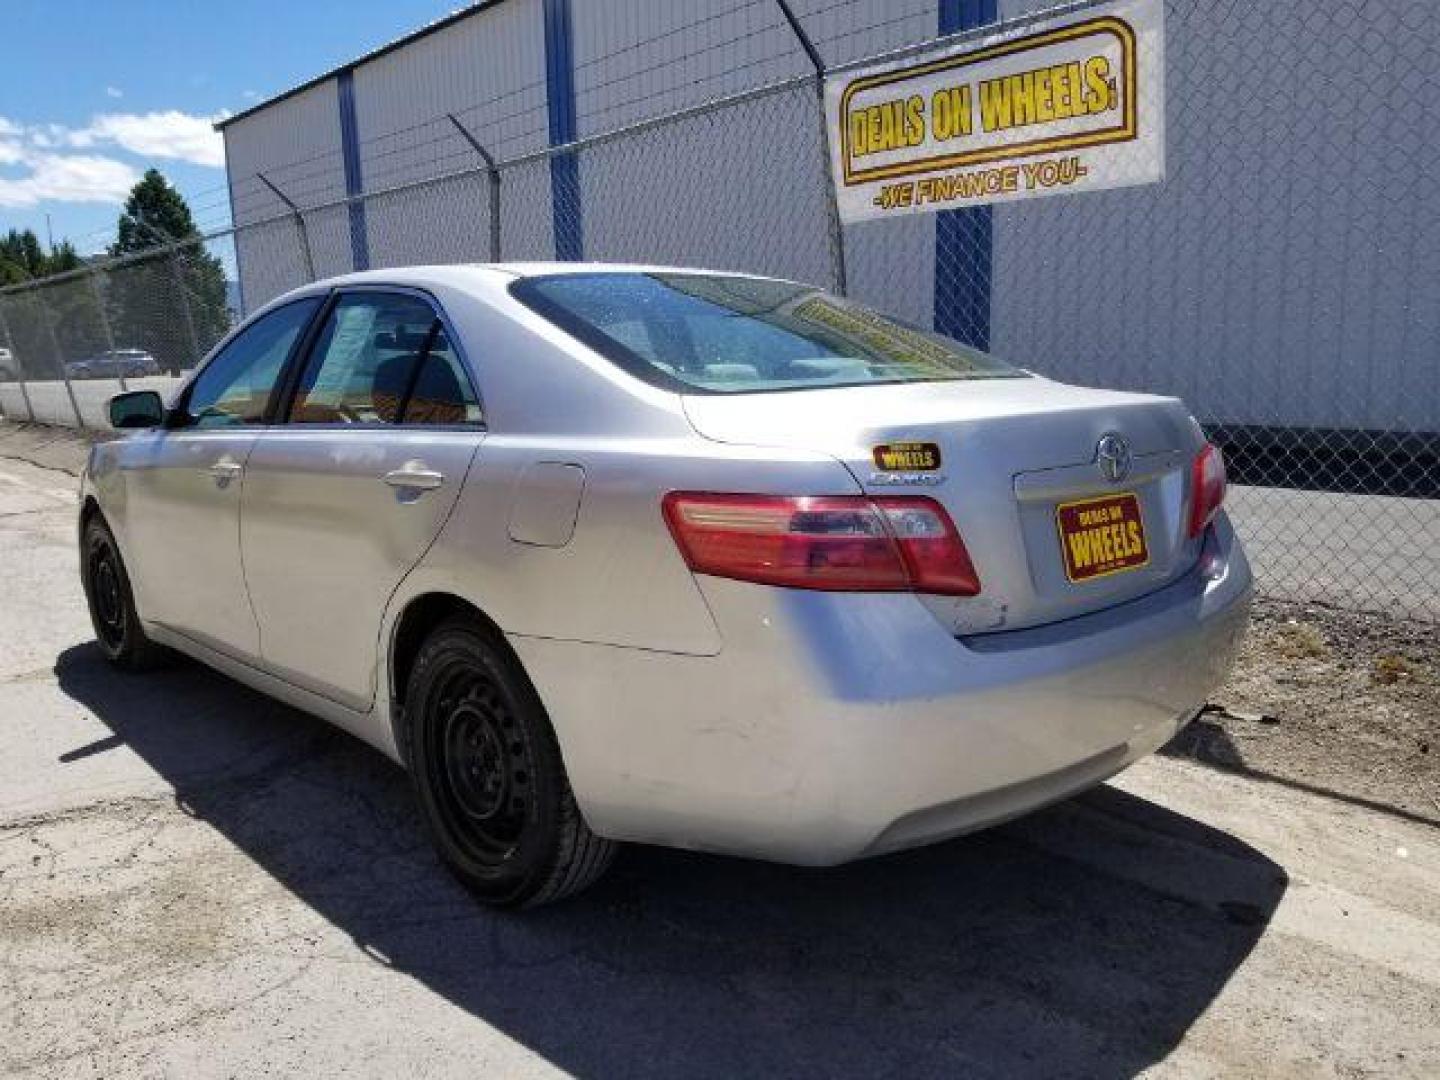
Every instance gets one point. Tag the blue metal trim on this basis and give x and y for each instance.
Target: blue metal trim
(354, 185)
(565, 209)
(964, 239)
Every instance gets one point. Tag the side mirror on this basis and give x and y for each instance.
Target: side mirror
(137, 409)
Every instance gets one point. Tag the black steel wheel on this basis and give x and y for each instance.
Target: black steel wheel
(488, 773)
(111, 602)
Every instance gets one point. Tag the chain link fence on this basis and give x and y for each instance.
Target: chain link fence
(1284, 279)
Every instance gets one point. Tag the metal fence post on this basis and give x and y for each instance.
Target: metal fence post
(299, 226)
(94, 276)
(832, 204)
(60, 362)
(190, 332)
(493, 172)
(15, 356)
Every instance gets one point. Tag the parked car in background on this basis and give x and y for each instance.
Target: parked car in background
(636, 554)
(114, 364)
(9, 369)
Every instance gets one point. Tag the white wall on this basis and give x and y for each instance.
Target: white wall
(49, 403)
(489, 71)
(1287, 272)
(296, 144)
(890, 265)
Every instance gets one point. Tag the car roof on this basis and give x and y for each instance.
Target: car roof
(478, 278)
(462, 274)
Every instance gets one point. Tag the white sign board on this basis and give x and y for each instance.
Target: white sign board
(1070, 104)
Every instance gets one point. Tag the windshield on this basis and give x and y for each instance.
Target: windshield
(714, 333)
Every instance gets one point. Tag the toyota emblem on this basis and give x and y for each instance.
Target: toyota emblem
(1113, 457)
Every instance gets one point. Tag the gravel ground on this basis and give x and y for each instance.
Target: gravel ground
(1341, 702)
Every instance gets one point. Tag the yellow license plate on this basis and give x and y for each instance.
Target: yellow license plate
(1101, 536)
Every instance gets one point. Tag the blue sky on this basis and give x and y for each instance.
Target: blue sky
(93, 93)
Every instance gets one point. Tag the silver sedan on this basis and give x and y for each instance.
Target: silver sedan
(721, 562)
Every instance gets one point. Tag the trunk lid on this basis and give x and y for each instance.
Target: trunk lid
(1012, 453)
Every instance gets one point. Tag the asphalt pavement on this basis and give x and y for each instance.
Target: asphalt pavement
(197, 881)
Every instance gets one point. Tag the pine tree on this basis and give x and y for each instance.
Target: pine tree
(23, 259)
(171, 304)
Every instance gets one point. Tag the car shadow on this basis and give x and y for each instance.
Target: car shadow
(1209, 743)
(1065, 944)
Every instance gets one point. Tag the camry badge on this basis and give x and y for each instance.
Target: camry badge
(1113, 457)
(906, 479)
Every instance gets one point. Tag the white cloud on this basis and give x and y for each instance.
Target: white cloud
(114, 92)
(41, 163)
(68, 178)
(49, 136)
(171, 134)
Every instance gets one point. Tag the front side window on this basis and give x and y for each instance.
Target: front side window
(722, 333)
(235, 387)
(383, 358)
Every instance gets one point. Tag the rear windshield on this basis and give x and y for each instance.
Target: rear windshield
(723, 334)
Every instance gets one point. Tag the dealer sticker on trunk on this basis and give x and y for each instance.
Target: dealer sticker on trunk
(1101, 536)
(907, 456)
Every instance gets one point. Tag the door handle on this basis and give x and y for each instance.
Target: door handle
(225, 470)
(416, 477)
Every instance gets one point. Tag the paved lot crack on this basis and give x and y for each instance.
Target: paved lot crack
(75, 473)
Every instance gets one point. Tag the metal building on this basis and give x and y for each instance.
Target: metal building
(1285, 275)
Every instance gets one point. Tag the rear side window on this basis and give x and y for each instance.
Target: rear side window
(383, 358)
(235, 387)
(439, 391)
(722, 333)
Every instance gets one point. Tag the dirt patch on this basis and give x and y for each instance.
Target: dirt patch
(1344, 702)
(62, 450)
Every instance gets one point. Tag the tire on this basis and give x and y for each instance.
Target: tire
(488, 774)
(112, 603)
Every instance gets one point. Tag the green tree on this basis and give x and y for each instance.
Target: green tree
(50, 323)
(23, 259)
(62, 259)
(173, 303)
(21, 256)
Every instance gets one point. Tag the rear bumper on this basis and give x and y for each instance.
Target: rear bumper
(834, 726)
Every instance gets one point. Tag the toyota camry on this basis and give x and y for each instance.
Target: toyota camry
(722, 562)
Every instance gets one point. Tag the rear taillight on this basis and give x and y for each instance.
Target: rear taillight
(935, 556)
(1207, 487)
(840, 543)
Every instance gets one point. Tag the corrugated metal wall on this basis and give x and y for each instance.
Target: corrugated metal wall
(296, 145)
(639, 58)
(891, 264)
(489, 72)
(1287, 272)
